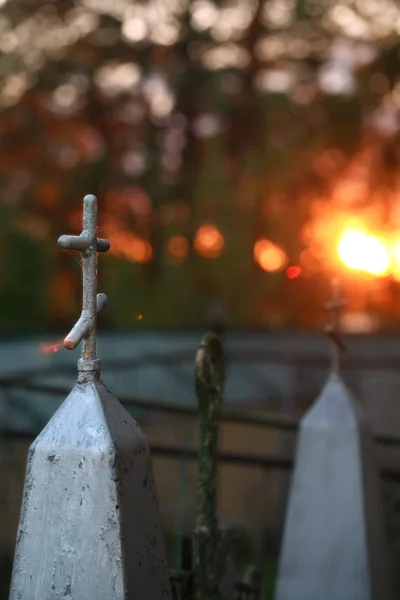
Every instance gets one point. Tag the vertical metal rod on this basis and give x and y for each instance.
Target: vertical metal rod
(210, 376)
(335, 326)
(333, 330)
(89, 259)
(89, 245)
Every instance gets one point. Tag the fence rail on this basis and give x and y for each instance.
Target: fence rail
(262, 461)
(176, 358)
(240, 416)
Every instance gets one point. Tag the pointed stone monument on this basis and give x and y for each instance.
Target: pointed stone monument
(89, 526)
(333, 543)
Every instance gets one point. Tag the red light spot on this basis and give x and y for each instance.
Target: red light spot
(293, 272)
(46, 348)
(139, 317)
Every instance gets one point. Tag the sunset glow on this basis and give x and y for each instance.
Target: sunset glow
(396, 260)
(365, 252)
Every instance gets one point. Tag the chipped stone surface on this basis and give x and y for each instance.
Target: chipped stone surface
(333, 545)
(89, 527)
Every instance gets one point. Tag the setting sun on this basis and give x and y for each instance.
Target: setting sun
(396, 261)
(364, 252)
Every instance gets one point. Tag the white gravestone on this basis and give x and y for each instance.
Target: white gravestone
(333, 543)
(89, 526)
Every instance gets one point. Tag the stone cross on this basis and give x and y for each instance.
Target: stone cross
(333, 330)
(89, 245)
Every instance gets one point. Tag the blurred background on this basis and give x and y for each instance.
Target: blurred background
(244, 153)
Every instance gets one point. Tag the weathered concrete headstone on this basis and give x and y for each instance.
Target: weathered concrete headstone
(333, 543)
(89, 526)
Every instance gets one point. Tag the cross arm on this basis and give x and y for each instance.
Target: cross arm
(83, 325)
(336, 304)
(82, 242)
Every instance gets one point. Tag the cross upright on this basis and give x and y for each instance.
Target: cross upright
(333, 330)
(89, 245)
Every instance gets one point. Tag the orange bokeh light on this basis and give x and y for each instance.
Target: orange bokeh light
(140, 251)
(178, 247)
(269, 256)
(130, 246)
(208, 241)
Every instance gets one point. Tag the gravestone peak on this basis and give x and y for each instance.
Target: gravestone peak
(333, 541)
(90, 526)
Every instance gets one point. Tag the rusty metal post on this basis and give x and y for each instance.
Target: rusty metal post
(210, 556)
(89, 525)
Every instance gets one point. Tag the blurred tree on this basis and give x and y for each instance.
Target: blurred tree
(202, 127)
